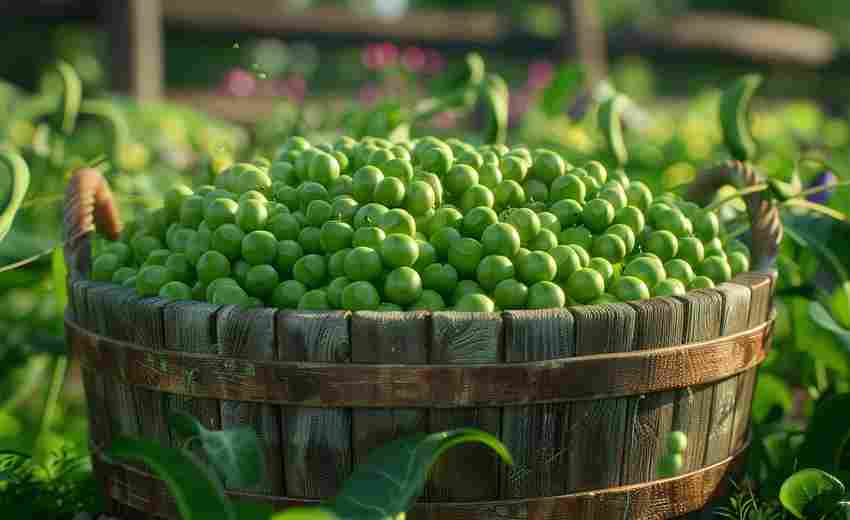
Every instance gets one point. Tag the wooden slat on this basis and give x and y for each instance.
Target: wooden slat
(703, 315)
(473, 473)
(100, 430)
(537, 435)
(761, 288)
(190, 327)
(658, 323)
(736, 307)
(381, 338)
(317, 441)
(272, 15)
(250, 334)
(597, 427)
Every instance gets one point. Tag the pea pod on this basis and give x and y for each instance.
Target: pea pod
(20, 178)
(494, 94)
(71, 97)
(117, 124)
(610, 123)
(734, 117)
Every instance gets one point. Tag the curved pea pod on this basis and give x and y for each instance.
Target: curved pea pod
(735, 117)
(610, 123)
(114, 119)
(494, 96)
(19, 179)
(70, 99)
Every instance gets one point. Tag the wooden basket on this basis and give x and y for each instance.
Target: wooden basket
(583, 397)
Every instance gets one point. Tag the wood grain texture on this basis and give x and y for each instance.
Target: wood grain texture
(250, 334)
(100, 430)
(343, 385)
(317, 441)
(468, 474)
(761, 296)
(191, 327)
(108, 304)
(736, 307)
(659, 322)
(536, 435)
(381, 338)
(597, 428)
(703, 318)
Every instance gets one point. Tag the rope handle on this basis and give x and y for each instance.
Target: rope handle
(89, 205)
(765, 225)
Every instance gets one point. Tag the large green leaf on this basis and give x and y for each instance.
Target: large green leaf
(771, 392)
(568, 78)
(811, 493)
(393, 476)
(235, 453)
(822, 317)
(199, 496)
(14, 182)
(827, 434)
(812, 338)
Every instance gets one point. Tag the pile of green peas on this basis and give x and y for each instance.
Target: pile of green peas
(427, 224)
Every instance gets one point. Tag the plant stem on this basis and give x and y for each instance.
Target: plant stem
(818, 189)
(57, 382)
(755, 188)
(819, 208)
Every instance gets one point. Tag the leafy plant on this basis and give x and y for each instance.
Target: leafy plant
(814, 494)
(383, 487)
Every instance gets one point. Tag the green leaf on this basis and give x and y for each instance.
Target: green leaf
(245, 510)
(395, 474)
(306, 513)
(841, 511)
(568, 78)
(824, 319)
(494, 96)
(198, 495)
(827, 434)
(14, 182)
(235, 453)
(811, 493)
(59, 273)
(771, 392)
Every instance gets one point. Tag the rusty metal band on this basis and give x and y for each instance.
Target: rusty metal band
(665, 498)
(353, 385)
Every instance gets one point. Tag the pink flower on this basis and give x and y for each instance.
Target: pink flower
(413, 58)
(369, 94)
(540, 74)
(296, 87)
(379, 55)
(434, 61)
(518, 104)
(239, 82)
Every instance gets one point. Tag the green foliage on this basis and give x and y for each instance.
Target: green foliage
(14, 181)
(198, 495)
(55, 490)
(564, 86)
(235, 453)
(735, 117)
(811, 493)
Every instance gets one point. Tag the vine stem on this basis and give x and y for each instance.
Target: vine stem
(57, 382)
(755, 188)
(819, 189)
(819, 208)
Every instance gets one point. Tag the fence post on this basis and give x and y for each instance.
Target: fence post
(583, 37)
(135, 38)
